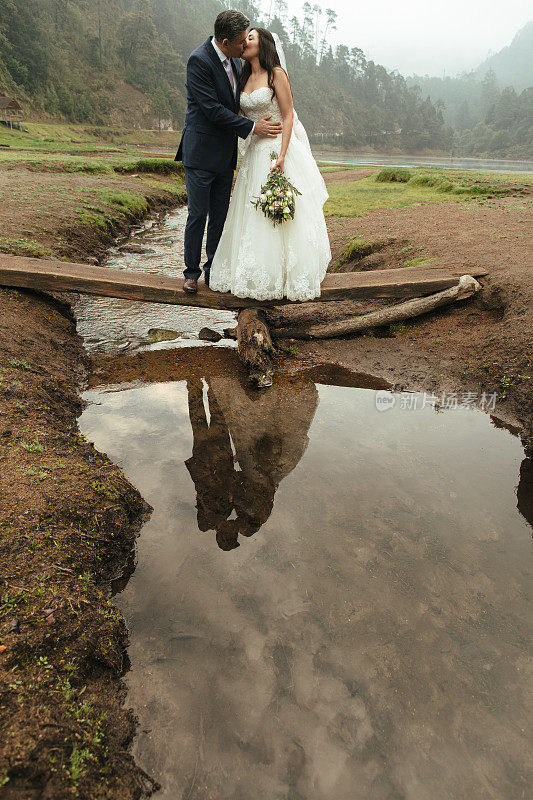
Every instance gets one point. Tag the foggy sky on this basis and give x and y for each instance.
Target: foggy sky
(417, 36)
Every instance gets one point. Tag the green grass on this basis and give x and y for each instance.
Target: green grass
(50, 137)
(393, 175)
(122, 199)
(81, 138)
(355, 250)
(97, 164)
(22, 246)
(414, 262)
(356, 198)
(158, 166)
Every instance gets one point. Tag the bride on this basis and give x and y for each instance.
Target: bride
(254, 258)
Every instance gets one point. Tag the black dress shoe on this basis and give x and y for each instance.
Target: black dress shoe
(190, 285)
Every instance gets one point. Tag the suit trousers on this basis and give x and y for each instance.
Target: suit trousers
(208, 194)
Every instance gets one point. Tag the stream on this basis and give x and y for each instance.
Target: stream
(330, 597)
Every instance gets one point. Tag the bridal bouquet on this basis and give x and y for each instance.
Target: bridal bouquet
(276, 200)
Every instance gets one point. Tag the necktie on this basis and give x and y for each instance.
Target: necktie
(229, 70)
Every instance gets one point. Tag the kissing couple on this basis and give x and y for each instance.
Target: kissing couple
(239, 100)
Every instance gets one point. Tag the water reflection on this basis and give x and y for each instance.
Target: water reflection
(269, 434)
(524, 491)
(370, 640)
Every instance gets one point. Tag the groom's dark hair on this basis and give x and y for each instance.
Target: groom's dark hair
(229, 24)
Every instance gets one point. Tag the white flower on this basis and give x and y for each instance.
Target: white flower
(262, 198)
(286, 210)
(268, 192)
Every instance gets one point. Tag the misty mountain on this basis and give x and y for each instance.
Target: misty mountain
(513, 65)
(489, 108)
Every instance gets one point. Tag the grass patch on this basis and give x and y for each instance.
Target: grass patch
(94, 219)
(442, 184)
(98, 164)
(118, 200)
(355, 250)
(394, 175)
(157, 166)
(122, 200)
(414, 262)
(32, 447)
(22, 246)
(326, 167)
(356, 198)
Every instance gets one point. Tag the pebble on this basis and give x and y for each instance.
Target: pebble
(209, 335)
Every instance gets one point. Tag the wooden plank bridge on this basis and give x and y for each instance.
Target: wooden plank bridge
(47, 275)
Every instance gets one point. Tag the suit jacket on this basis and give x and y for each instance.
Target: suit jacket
(212, 122)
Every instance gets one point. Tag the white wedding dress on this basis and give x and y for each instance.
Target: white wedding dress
(254, 258)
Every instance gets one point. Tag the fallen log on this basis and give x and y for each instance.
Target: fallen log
(254, 346)
(466, 287)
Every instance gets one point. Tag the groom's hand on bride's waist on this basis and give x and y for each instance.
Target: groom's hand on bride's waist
(267, 127)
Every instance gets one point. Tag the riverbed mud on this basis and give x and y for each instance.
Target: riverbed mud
(68, 520)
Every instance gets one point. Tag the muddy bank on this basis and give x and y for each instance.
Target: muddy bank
(76, 215)
(68, 521)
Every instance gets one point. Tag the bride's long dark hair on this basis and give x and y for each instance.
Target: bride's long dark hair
(268, 59)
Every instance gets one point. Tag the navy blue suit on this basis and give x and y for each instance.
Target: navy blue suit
(208, 150)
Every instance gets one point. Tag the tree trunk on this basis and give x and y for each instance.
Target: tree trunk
(466, 287)
(254, 345)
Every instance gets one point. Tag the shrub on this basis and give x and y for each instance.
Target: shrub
(396, 175)
(160, 166)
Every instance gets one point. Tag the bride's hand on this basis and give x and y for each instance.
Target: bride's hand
(279, 164)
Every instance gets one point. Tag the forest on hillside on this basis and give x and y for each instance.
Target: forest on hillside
(486, 118)
(490, 108)
(66, 58)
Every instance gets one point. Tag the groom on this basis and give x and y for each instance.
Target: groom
(208, 147)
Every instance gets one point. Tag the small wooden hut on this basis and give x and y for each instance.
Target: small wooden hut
(10, 111)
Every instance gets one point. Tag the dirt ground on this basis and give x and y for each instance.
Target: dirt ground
(68, 518)
(349, 174)
(55, 223)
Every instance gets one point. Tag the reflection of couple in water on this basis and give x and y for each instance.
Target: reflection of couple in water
(250, 443)
(235, 488)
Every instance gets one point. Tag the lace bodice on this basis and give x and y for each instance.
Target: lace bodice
(258, 104)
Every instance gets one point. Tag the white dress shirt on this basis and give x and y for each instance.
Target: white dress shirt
(223, 57)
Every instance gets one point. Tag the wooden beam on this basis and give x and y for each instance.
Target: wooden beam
(46, 275)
